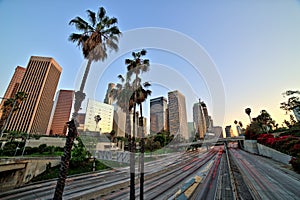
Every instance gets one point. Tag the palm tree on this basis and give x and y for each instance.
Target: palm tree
(135, 66)
(11, 105)
(97, 35)
(128, 94)
(141, 96)
(122, 93)
(97, 119)
(248, 111)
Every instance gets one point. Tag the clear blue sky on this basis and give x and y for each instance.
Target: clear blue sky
(254, 45)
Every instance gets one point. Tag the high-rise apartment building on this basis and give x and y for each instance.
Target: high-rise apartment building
(177, 114)
(106, 112)
(199, 120)
(13, 85)
(218, 131)
(61, 112)
(205, 113)
(158, 115)
(229, 131)
(39, 82)
(108, 98)
(119, 121)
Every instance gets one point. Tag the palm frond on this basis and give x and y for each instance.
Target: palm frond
(111, 21)
(80, 24)
(143, 52)
(101, 13)
(121, 78)
(92, 17)
(147, 84)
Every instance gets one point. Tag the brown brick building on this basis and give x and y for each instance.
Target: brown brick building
(13, 85)
(158, 115)
(61, 112)
(39, 82)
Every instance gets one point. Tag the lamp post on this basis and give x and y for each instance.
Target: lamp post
(9, 116)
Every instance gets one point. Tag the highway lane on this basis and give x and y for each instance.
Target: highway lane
(78, 186)
(154, 180)
(266, 177)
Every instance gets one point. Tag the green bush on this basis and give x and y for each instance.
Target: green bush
(42, 148)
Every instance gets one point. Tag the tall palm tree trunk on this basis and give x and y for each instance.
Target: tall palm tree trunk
(80, 95)
(132, 158)
(141, 124)
(65, 161)
(72, 134)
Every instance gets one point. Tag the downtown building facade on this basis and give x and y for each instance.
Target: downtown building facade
(228, 131)
(158, 115)
(119, 118)
(177, 114)
(106, 112)
(13, 85)
(61, 113)
(199, 120)
(39, 83)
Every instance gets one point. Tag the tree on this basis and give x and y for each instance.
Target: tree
(121, 94)
(10, 106)
(248, 111)
(265, 121)
(97, 35)
(79, 153)
(293, 103)
(136, 66)
(97, 119)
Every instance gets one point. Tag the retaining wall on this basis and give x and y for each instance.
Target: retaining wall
(272, 153)
(253, 147)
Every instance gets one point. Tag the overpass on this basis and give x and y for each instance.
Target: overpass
(16, 171)
(210, 141)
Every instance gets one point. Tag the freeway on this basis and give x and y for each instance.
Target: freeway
(165, 184)
(266, 179)
(97, 184)
(218, 173)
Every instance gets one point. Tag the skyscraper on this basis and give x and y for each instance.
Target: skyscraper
(158, 116)
(108, 99)
(199, 120)
(218, 130)
(61, 112)
(13, 85)
(177, 114)
(205, 113)
(119, 121)
(39, 82)
(229, 131)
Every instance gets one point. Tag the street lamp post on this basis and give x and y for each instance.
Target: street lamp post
(8, 118)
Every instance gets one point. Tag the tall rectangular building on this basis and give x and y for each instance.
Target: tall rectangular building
(158, 110)
(61, 112)
(199, 120)
(205, 113)
(39, 82)
(13, 85)
(119, 121)
(177, 114)
(228, 131)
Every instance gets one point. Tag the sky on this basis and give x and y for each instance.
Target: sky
(230, 54)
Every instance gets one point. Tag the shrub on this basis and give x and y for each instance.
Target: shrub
(42, 148)
(295, 162)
